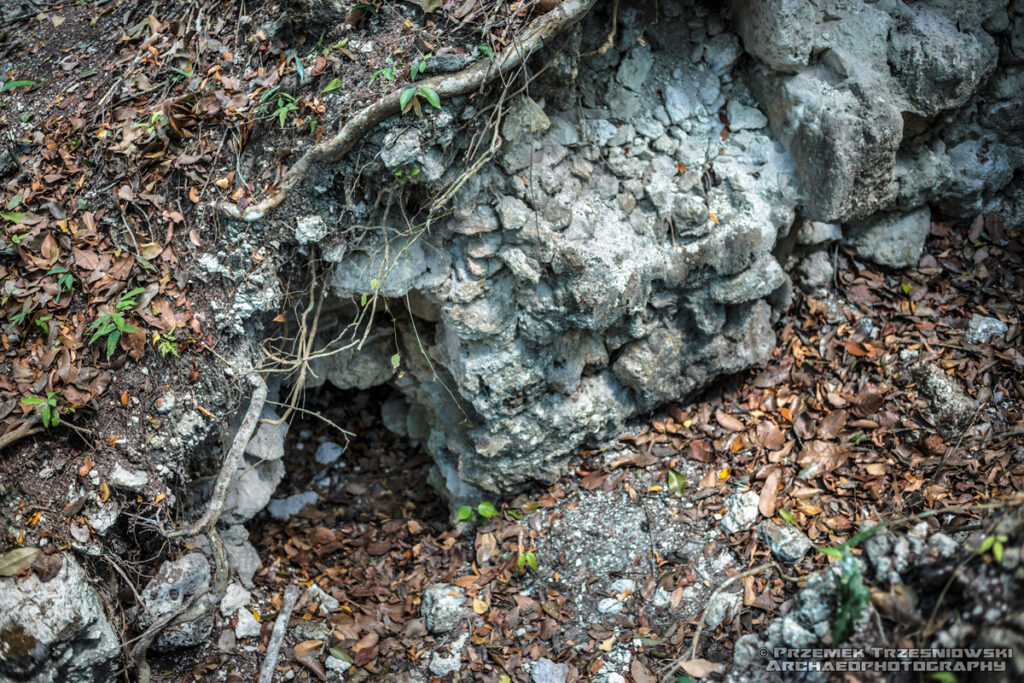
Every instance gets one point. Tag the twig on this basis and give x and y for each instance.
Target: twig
(26, 428)
(704, 613)
(540, 33)
(291, 595)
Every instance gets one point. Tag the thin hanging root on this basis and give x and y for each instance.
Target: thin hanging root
(540, 31)
(609, 41)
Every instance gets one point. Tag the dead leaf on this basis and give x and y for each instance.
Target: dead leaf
(308, 647)
(728, 421)
(833, 423)
(48, 566)
(701, 668)
(17, 559)
(769, 492)
(825, 454)
(313, 665)
(479, 606)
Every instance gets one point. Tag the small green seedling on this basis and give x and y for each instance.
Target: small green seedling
(484, 509)
(284, 104)
(388, 73)
(402, 176)
(418, 66)
(332, 86)
(65, 280)
(113, 324)
(47, 408)
(11, 85)
(676, 482)
(486, 51)
(995, 545)
(527, 559)
(410, 98)
(166, 343)
(851, 595)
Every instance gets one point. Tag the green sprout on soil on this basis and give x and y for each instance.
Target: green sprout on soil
(166, 343)
(389, 73)
(402, 176)
(418, 66)
(484, 509)
(410, 98)
(486, 51)
(527, 559)
(285, 104)
(47, 408)
(112, 324)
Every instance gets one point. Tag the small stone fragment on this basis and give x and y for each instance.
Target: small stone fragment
(442, 607)
(741, 512)
(285, 508)
(129, 480)
(547, 671)
(247, 626)
(982, 329)
(785, 541)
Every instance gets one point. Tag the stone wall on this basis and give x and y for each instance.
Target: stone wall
(621, 249)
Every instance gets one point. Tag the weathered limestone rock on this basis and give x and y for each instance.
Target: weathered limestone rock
(892, 240)
(175, 585)
(55, 630)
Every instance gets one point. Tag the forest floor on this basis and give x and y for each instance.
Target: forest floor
(833, 434)
(121, 130)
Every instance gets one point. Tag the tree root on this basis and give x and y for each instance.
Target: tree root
(462, 82)
(609, 41)
(205, 602)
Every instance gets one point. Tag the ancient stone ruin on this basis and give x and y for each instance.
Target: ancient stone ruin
(630, 239)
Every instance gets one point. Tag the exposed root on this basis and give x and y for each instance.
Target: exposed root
(609, 41)
(203, 603)
(463, 82)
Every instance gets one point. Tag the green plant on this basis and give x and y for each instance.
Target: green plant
(402, 176)
(65, 280)
(527, 559)
(484, 509)
(486, 51)
(332, 86)
(113, 324)
(851, 597)
(47, 408)
(418, 66)
(410, 98)
(284, 104)
(166, 343)
(389, 73)
(11, 85)
(993, 543)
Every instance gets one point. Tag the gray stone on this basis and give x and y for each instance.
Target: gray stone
(252, 487)
(165, 403)
(242, 557)
(720, 607)
(634, 67)
(235, 597)
(609, 606)
(176, 584)
(129, 480)
(268, 441)
(444, 664)
(893, 240)
(337, 666)
(103, 516)
(785, 541)
(779, 33)
(226, 641)
(55, 631)
(813, 233)
(680, 105)
(525, 116)
(947, 407)
(546, 671)
(815, 271)
(328, 603)
(284, 509)
(741, 512)
(247, 626)
(742, 117)
(310, 229)
(441, 606)
(328, 452)
(982, 329)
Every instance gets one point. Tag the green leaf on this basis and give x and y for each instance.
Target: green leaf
(531, 559)
(486, 50)
(332, 86)
(997, 551)
(13, 216)
(33, 400)
(987, 544)
(832, 552)
(907, 287)
(464, 514)
(362, 301)
(515, 514)
(429, 6)
(45, 412)
(430, 95)
(11, 85)
(684, 679)
(787, 516)
(851, 596)
(395, 360)
(676, 482)
(406, 98)
(944, 676)
(112, 342)
(15, 200)
(16, 559)
(486, 510)
(373, 283)
(338, 653)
